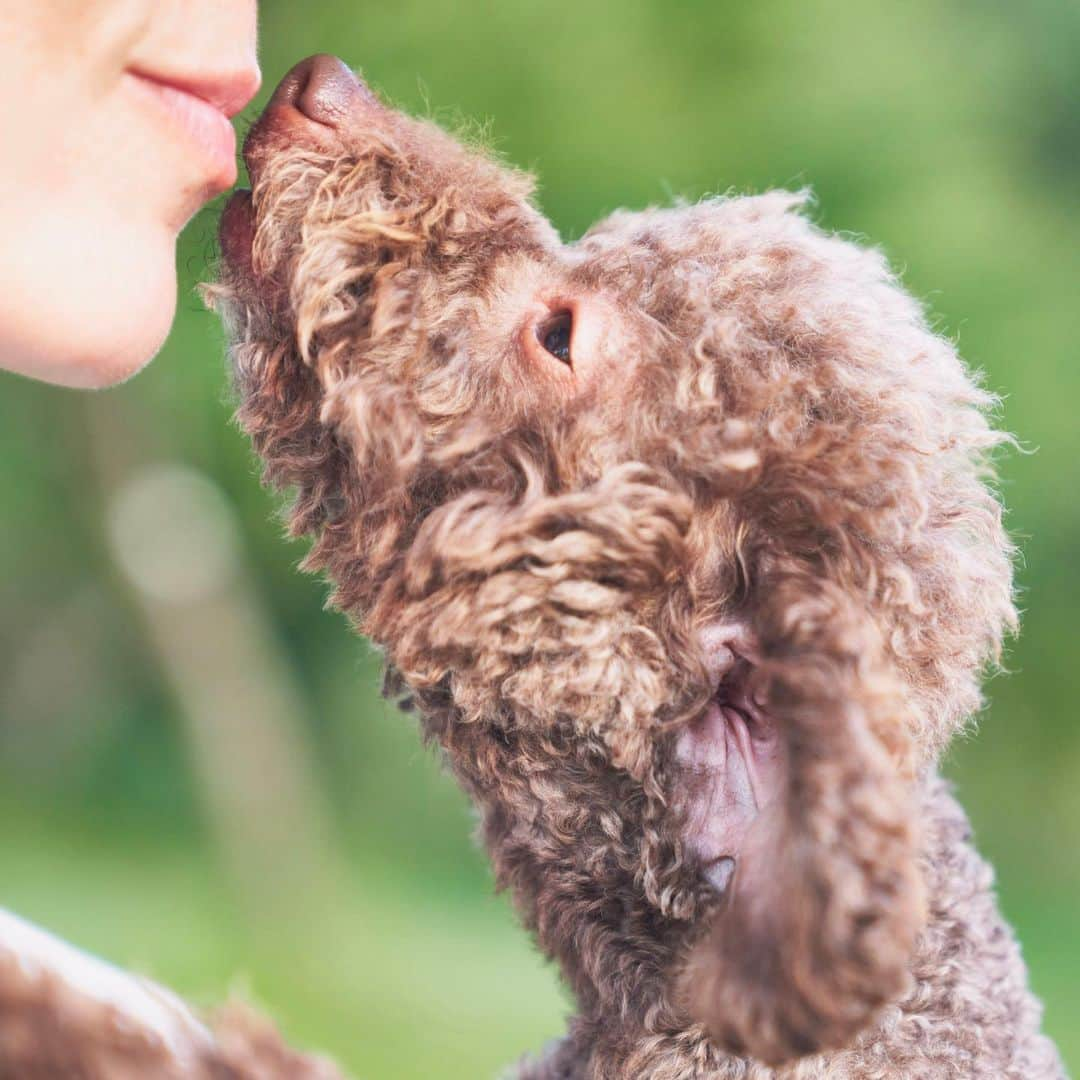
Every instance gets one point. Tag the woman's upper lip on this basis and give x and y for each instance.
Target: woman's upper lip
(227, 91)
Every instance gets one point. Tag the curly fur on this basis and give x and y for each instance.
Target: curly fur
(769, 432)
(51, 1031)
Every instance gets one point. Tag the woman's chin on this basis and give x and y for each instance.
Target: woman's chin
(99, 328)
(124, 354)
(98, 370)
(113, 356)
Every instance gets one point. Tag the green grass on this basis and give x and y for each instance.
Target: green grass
(394, 981)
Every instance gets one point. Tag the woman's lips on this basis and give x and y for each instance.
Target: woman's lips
(203, 126)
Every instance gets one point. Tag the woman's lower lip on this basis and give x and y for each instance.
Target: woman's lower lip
(197, 122)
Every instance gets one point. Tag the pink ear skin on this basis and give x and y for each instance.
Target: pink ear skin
(825, 901)
(732, 753)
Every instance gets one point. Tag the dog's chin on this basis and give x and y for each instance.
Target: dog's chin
(236, 234)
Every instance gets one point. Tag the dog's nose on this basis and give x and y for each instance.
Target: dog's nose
(321, 88)
(318, 103)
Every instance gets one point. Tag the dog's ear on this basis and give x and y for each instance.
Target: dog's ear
(818, 923)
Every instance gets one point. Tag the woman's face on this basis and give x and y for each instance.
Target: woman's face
(114, 132)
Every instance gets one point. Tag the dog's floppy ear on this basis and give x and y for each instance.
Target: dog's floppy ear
(818, 923)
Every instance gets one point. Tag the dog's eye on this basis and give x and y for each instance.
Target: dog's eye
(555, 334)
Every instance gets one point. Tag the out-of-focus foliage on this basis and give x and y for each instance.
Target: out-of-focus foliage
(293, 841)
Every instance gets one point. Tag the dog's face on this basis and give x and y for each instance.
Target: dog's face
(677, 536)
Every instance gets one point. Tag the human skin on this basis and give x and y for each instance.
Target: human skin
(115, 133)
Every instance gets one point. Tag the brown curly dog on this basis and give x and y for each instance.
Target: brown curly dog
(679, 539)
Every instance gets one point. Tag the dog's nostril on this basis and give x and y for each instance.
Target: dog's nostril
(322, 88)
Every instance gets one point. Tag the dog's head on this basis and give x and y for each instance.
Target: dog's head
(678, 536)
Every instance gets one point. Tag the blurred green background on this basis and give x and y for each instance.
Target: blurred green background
(197, 776)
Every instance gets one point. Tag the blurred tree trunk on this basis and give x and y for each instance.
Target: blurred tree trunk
(177, 540)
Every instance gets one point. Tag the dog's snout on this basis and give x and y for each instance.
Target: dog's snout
(323, 89)
(315, 106)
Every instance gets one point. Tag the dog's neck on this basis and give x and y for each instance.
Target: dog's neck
(968, 1012)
